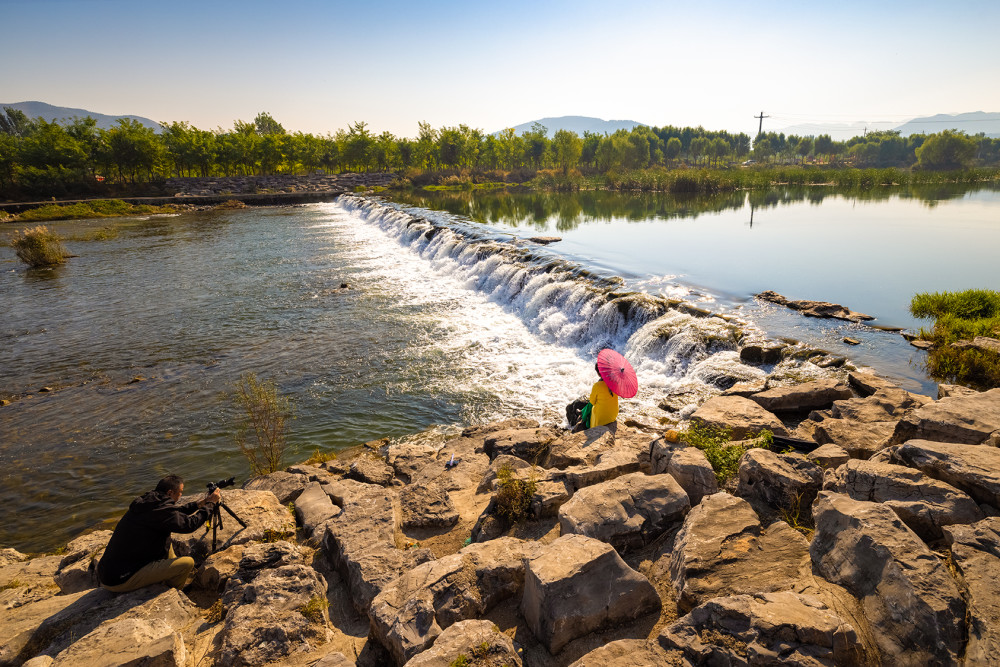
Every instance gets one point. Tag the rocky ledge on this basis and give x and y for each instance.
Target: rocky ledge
(276, 184)
(879, 546)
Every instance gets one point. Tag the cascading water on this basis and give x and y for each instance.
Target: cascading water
(567, 306)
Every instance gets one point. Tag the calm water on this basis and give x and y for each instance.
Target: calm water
(449, 317)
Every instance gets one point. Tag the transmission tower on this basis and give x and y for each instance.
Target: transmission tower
(760, 126)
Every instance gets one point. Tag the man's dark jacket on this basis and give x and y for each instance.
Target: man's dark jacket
(143, 534)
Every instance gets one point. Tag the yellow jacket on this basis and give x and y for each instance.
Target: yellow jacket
(605, 405)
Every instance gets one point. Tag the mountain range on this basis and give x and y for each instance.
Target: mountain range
(578, 124)
(54, 113)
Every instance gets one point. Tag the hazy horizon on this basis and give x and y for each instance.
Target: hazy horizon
(319, 66)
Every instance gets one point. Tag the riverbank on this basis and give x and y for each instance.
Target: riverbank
(877, 546)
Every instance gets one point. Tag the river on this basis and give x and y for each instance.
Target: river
(381, 318)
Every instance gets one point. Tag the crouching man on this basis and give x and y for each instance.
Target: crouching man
(139, 552)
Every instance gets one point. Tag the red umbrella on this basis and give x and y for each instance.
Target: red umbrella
(617, 373)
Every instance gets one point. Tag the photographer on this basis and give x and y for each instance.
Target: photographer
(139, 552)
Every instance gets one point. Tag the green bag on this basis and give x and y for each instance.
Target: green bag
(585, 414)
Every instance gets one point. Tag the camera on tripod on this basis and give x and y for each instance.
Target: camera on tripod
(221, 484)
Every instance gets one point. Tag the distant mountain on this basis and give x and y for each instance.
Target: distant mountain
(837, 131)
(66, 114)
(578, 124)
(970, 123)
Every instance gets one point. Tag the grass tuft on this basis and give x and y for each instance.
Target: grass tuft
(513, 496)
(961, 316)
(38, 247)
(721, 452)
(314, 609)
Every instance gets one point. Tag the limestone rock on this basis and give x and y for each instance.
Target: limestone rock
(285, 486)
(975, 552)
(861, 440)
(741, 415)
(764, 629)
(969, 419)
(805, 396)
(514, 423)
(946, 390)
(529, 444)
(579, 585)
(867, 384)
(629, 653)
(78, 567)
(313, 508)
(885, 404)
(923, 503)
(476, 640)
(146, 634)
(580, 448)
(281, 612)
(625, 512)
(823, 309)
(548, 498)
(260, 510)
(412, 611)
(661, 450)
(370, 470)
(829, 456)
(916, 611)
(427, 507)
(693, 472)
(313, 472)
(29, 580)
(722, 549)
(216, 570)
(762, 354)
(409, 457)
(466, 474)
(609, 465)
(517, 466)
(781, 481)
(973, 469)
(335, 659)
(8, 556)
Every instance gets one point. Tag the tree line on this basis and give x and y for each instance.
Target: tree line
(48, 158)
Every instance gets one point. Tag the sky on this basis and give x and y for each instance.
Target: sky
(319, 66)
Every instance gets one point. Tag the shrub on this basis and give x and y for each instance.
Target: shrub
(513, 497)
(261, 432)
(313, 610)
(38, 247)
(721, 452)
(961, 316)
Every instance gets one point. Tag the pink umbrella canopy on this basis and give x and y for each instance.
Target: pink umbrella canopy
(617, 373)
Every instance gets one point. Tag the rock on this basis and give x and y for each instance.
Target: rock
(860, 440)
(514, 423)
(746, 389)
(8, 556)
(829, 456)
(313, 508)
(412, 611)
(662, 449)
(969, 419)
(578, 585)
(975, 552)
(360, 541)
(517, 466)
(740, 415)
(336, 659)
(851, 341)
(216, 570)
(285, 486)
(973, 469)
(922, 344)
(722, 549)
(916, 611)
(370, 470)
(867, 384)
(815, 308)
(626, 512)
(805, 396)
(465, 475)
(260, 510)
(427, 507)
(281, 612)
(609, 465)
(948, 390)
(409, 457)
(761, 354)
(264, 555)
(983, 343)
(883, 405)
(693, 472)
(924, 504)
(148, 634)
(545, 240)
(548, 498)
(26, 581)
(763, 629)
(39, 661)
(781, 481)
(581, 448)
(78, 567)
(629, 653)
(476, 640)
(529, 444)
(312, 472)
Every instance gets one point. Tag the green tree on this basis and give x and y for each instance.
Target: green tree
(133, 150)
(719, 148)
(15, 123)
(946, 150)
(535, 144)
(265, 124)
(823, 145)
(568, 148)
(673, 148)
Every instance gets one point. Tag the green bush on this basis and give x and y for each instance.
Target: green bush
(513, 496)
(723, 454)
(39, 247)
(961, 316)
(100, 208)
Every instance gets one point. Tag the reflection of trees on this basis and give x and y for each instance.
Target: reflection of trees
(570, 210)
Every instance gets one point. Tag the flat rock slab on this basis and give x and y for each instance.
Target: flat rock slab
(829, 456)
(693, 472)
(427, 507)
(580, 448)
(479, 641)
(630, 653)
(412, 611)
(260, 510)
(975, 551)
(974, 469)
(860, 440)
(765, 629)
(922, 502)
(868, 383)
(284, 485)
(815, 308)
(370, 470)
(610, 464)
(914, 607)
(740, 415)
(806, 396)
(968, 419)
(313, 508)
(626, 512)
(28, 580)
(78, 567)
(781, 481)
(885, 404)
(722, 549)
(529, 444)
(579, 585)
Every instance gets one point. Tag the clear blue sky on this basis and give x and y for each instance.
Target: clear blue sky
(318, 66)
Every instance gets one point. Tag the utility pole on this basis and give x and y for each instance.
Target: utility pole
(760, 126)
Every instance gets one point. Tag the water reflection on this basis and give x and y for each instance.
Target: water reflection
(567, 211)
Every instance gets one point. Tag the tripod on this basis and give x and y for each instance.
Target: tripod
(216, 521)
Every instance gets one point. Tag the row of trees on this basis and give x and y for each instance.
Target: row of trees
(42, 157)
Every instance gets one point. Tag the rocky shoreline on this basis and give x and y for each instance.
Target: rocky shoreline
(879, 546)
